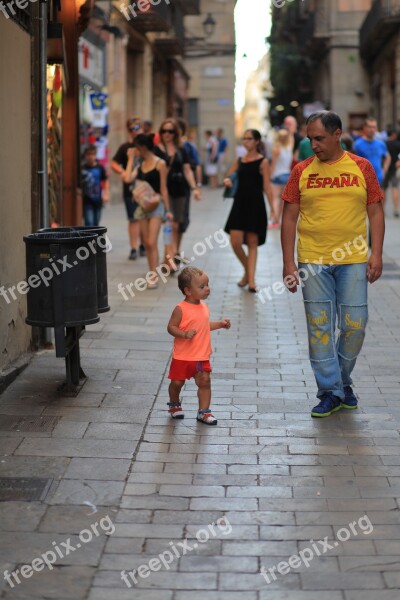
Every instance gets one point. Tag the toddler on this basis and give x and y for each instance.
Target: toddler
(190, 325)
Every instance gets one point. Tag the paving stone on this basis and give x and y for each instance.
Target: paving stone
(74, 581)
(102, 493)
(224, 504)
(369, 563)
(98, 468)
(343, 581)
(286, 548)
(217, 595)
(23, 547)
(169, 581)
(154, 502)
(211, 548)
(20, 516)
(372, 595)
(301, 595)
(246, 581)
(72, 519)
(114, 431)
(259, 492)
(129, 562)
(75, 448)
(99, 593)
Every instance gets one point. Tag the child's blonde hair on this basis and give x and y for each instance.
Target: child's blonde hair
(283, 138)
(186, 277)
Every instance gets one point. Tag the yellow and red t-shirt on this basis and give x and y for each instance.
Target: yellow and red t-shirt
(333, 200)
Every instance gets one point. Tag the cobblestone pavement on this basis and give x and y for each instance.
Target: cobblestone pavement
(274, 482)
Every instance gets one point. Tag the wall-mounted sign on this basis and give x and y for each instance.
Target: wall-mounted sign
(91, 63)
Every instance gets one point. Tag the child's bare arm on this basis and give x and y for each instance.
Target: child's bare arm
(224, 324)
(173, 326)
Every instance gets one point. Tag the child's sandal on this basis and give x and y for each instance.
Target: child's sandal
(206, 416)
(175, 410)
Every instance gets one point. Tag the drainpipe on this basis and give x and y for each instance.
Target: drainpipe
(43, 172)
(43, 169)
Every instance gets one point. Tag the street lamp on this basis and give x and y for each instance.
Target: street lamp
(209, 25)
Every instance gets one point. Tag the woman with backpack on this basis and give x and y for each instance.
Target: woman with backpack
(180, 177)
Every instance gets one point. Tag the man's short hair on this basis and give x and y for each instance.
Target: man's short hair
(370, 120)
(329, 119)
(186, 277)
(132, 121)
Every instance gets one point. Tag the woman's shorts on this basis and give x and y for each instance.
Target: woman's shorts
(178, 208)
(158, 212)
(281, 179)
(186, 369)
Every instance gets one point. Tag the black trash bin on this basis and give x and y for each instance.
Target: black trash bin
(101, 260)
(62, 280)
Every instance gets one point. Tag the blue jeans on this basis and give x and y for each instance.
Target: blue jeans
(92, 213)
(334, 295)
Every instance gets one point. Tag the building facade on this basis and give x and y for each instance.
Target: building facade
(210, 63)
(317, 48)
(380, 53)
(255, 112)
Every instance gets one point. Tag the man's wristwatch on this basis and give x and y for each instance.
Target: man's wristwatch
(199, 185)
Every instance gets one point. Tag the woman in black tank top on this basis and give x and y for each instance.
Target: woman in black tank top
(154, 171)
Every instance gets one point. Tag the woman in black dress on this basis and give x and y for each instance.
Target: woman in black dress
(247, 221)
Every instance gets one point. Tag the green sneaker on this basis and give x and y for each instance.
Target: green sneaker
(350, 401)
(327, 405)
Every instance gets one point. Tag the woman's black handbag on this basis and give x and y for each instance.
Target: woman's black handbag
(230, 192)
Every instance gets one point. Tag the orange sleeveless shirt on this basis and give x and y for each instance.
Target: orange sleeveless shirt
(194, 316)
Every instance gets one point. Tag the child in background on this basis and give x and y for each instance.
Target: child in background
(190, 325)
(95, 187)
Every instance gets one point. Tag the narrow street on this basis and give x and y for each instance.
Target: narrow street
(264, 485)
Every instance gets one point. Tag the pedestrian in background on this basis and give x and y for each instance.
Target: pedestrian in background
(223, 145)
(282, 158)
(180, 177)
(195, 165)
(247, 221)
(95, 187)
(373, 149)
(118, 165)
(328, 199)
(391, 179)
(153, 170)
(190, 325)
(211, 161)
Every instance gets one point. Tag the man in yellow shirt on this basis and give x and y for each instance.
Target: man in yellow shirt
(328, 199)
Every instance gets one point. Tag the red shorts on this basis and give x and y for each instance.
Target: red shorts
(186, 369)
